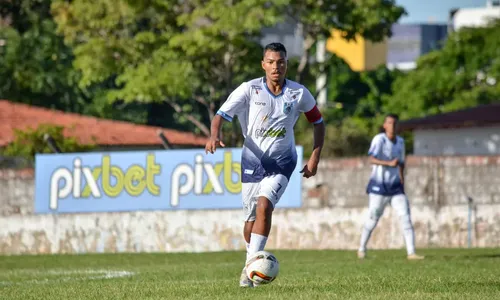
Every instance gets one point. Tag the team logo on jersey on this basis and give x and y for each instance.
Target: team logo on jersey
(287, 107)
(256, 88)
(294, 94)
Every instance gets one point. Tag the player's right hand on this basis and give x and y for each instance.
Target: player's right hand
(212, 145)
(393, 162)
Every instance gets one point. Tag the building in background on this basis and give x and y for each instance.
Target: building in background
(409, 41)
(360, 54)
(289, 33)
(107, 135)
(474, 17)
(472, 131)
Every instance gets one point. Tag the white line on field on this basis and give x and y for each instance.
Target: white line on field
(100, 274)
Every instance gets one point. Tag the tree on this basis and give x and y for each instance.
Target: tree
(354, 113)
(190, 55)
(464, 73)
(31, 141)
(35, 65)
(371, 19)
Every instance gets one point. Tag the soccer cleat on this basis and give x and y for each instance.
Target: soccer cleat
(244, 280)
(415, 257)
(361, 254)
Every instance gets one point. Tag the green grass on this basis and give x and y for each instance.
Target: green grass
(444, 274)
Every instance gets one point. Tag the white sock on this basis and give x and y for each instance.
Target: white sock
(366, 233)
(257, 243)
(409, 234)
(401, 205)
(248, 247)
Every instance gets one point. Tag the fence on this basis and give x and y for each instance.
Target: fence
(332, 210)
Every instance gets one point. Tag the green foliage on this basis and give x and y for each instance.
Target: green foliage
(190, 55)
(172, 63)
(353, 113)
(464, 73)
(349, 137)
(35, 65)
(29, 142)
(371, 19)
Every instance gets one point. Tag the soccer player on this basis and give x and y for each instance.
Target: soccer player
(267, 109)
(386, 185)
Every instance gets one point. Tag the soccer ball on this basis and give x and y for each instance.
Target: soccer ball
(262, 267)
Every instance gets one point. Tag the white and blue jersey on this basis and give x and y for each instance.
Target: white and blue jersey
(385, 180)
(267, 123)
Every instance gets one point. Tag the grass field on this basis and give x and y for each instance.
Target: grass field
(444, 274)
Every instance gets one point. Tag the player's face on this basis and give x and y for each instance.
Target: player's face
(390, 126)
(275, 65)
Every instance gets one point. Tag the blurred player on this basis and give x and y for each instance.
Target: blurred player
(386, 185)
(267, 109)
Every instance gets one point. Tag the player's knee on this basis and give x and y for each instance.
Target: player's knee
(264, 208)
(375, 214)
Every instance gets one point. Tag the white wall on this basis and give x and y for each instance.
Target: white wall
(475, 17)
(220, 230)
(460, 141)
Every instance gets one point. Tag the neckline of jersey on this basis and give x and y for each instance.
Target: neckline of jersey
(269, 91)
(395, 139)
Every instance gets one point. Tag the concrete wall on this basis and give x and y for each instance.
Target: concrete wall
(458, 141)
(332, 216)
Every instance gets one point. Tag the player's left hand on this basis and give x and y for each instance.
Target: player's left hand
(309, 169)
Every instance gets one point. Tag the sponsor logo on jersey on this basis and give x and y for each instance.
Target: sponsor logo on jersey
(271, 132)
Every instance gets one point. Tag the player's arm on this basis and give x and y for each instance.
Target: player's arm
(314, 117)
(375, 154)
(401, 164)
(307, 105)
(215, 129)
(387, 163)
(401, 168)
(235, 104)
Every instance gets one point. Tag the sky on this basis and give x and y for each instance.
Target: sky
(433, 11)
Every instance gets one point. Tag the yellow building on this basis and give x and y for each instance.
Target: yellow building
(361, 54)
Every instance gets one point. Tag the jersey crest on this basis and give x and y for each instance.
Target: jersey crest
(287, 107)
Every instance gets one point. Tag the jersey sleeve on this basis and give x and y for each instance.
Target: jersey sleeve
(307, 105)
(236, 103)
(376, 147)
(402, 157)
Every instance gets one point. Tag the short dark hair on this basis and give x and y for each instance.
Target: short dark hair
(275, 47)
(394, 116)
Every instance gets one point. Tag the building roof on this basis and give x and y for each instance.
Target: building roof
(87, 129)
(483, 115)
